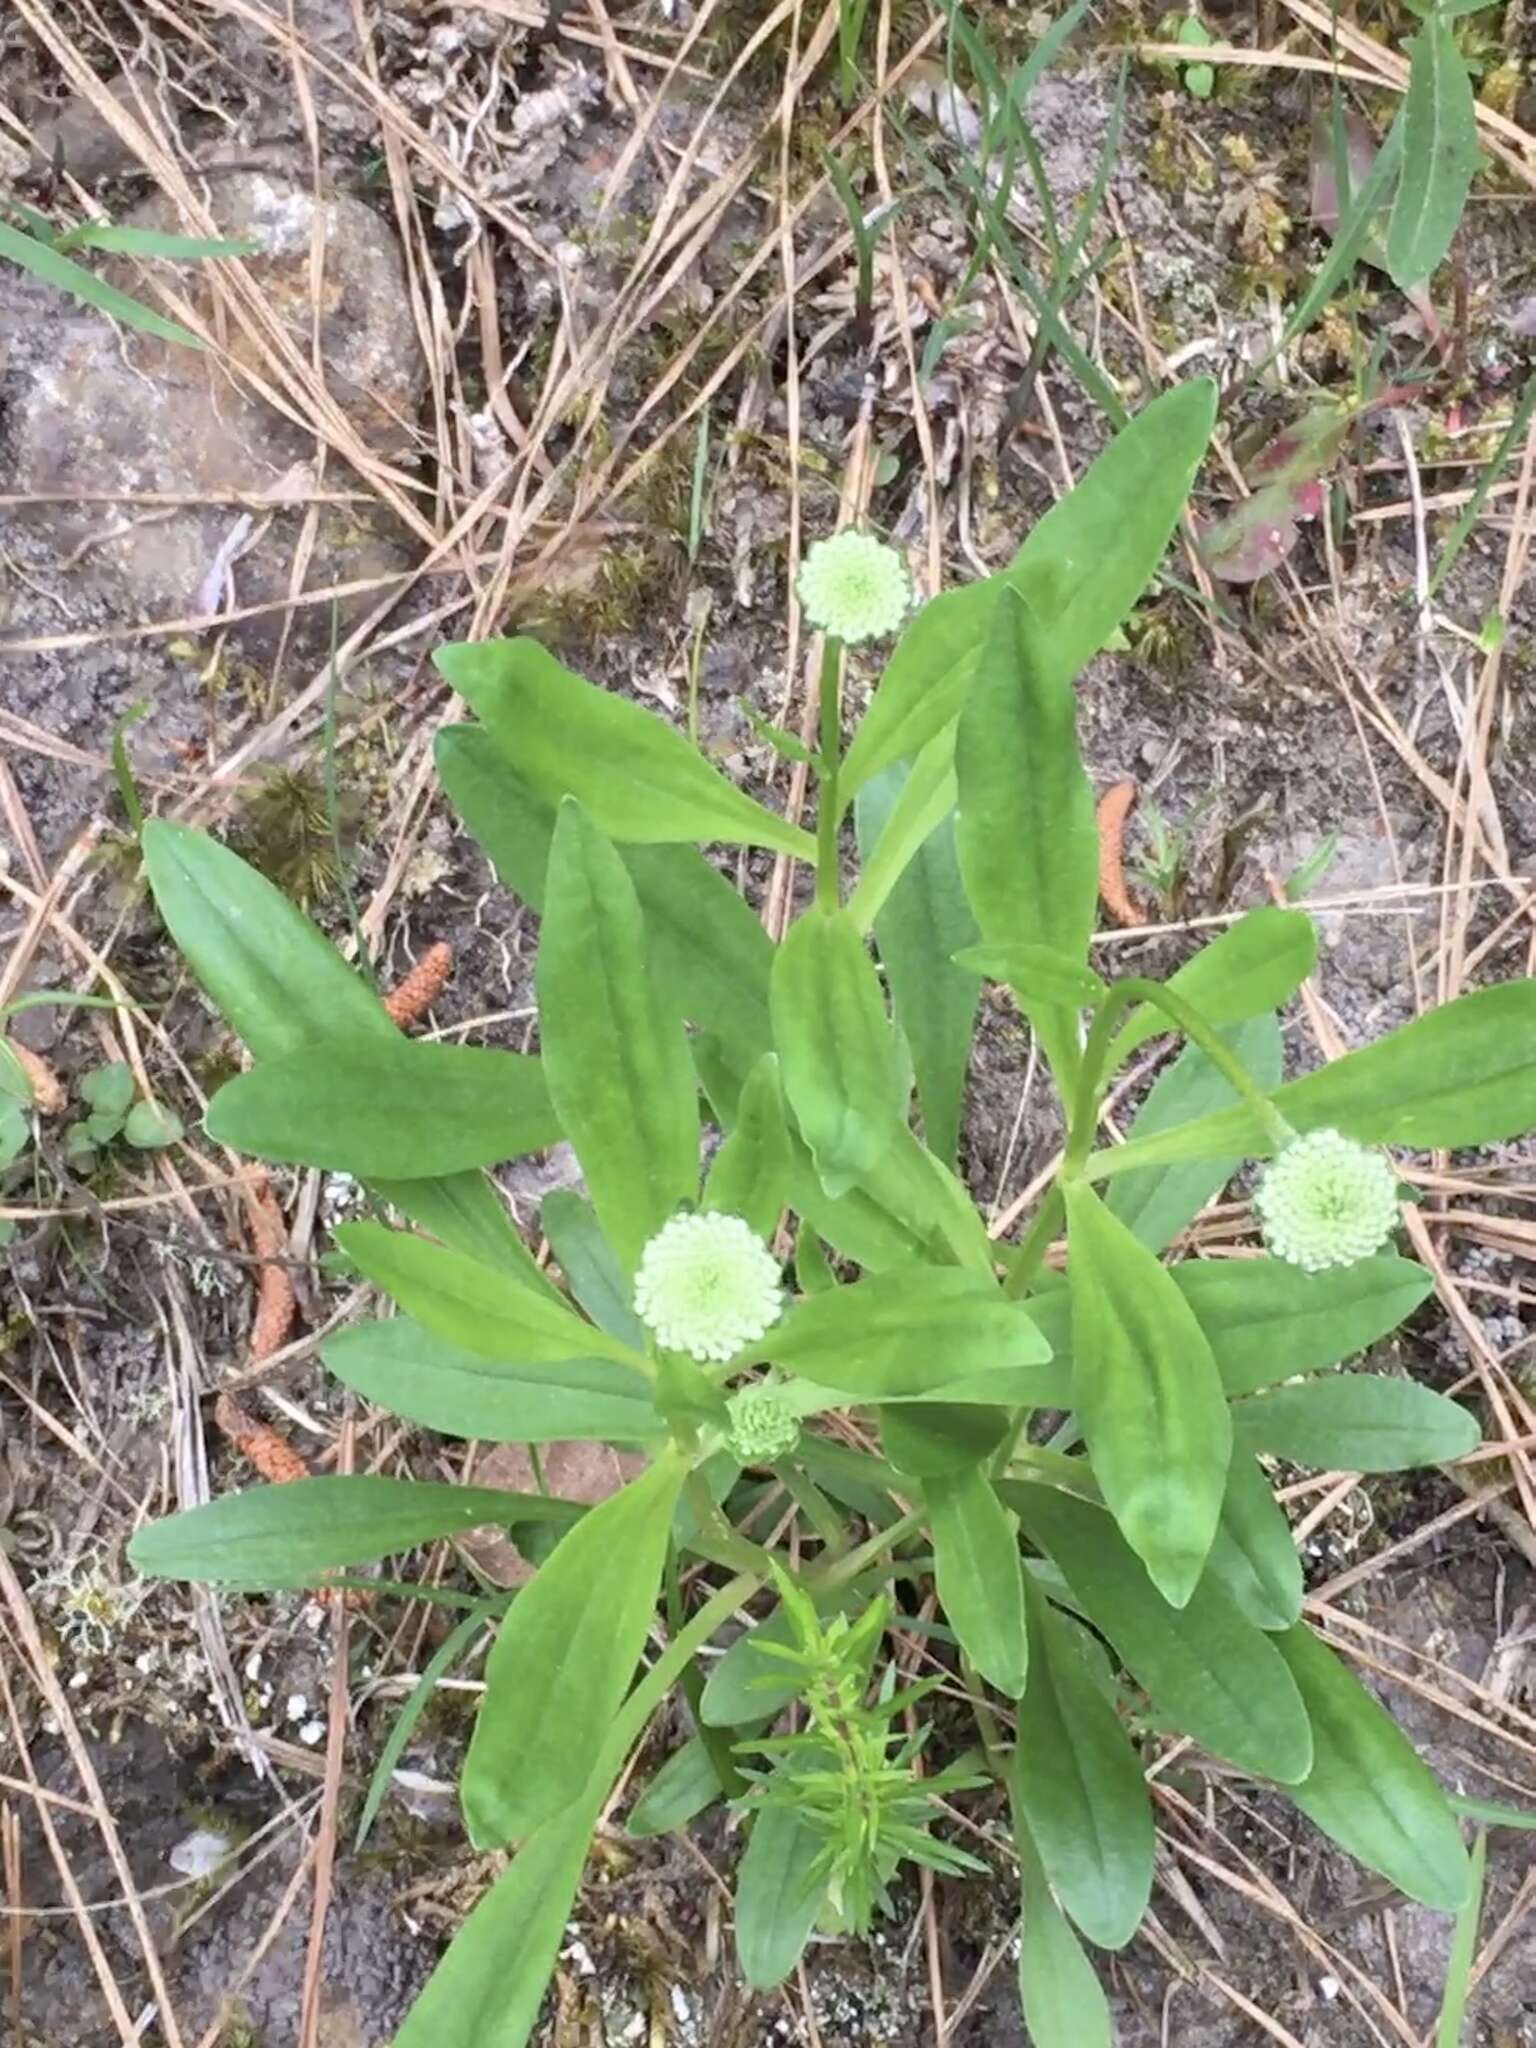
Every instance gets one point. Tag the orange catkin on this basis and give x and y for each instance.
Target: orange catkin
(1114, 807)
(47, 1089)
(273, 1457)
(420, 989)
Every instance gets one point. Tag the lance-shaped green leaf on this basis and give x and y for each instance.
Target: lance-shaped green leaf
(591, 1271)
(1149, 1394)
(916, 1334)
(413, 1374)
(615, 1052)
(1264, 1319)
(390, 1108)
(1464, 1074)
(750, 1174)
(1367, 1790)
(931, 1440)
(925, 922)
(486, 1311)
(1255, 966)
(1025, 830)
(292, 1535)
(1080, 1785)
(1062, 1999)
(843, 1075)
(1081, 569)
(1041, 975)
(636, 777)
(708, 947)
(686, 1784)
(1211, 1672)
(778, 1895)
(922, 802)
(1440, 155)
(1158, 1202)
(979, 1578)
(1254, 1554)
(1357, 1422)
(563, 1661)
(467, 1213)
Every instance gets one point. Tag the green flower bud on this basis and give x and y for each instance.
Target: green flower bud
(708, 1286)
(763, 1425)
(1326, 1201)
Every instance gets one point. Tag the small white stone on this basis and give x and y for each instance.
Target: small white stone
(1328, 1989)
(199, 1854)
(253, 1667)
(311, 1732)
(296, 1708)
(79, 1680)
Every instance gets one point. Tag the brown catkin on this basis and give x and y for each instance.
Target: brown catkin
(411, 1000)
(47, 1089)
(274, 1290)
(1114, 808)
(273, 1457)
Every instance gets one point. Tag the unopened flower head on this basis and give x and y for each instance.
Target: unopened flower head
(854, 587)
(763, 1425)
(707, 1285)
(1326, 1201)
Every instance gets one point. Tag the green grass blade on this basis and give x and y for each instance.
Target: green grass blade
(1471, 512)
(101, 234)
(458, 1639)
(1458, 1970)
(83, 284)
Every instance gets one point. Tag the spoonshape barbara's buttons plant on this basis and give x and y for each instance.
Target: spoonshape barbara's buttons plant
(849, 1400)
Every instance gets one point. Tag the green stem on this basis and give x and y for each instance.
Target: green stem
(725, 1542)
(838, 1571)
(1036, 1240)
(829, 806)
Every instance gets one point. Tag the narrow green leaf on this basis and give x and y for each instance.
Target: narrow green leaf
(291, 1535)
(415, 1375)
(922, 803)
(1254, 1554)
(842, 1074)
(1440, 155)
(563, 1661)
(45, 262)
(1080, 1785)
(1080, 570)
(1357, 1422)
(1063, 2001)
(1463, 1075)
(121, 241)
(979, 1578)
(467, 1213)
(615, 1053)
(1256, 965)
(1213, 1674)
(1367, 1790)
(1036, 972)
(591, 1271)
(420, 1697)
(777, 1895)
(911, 1335)
(935, 1440)
(1147, 1388)
(749, 1176)
(636, 777)
(486, 1311)
(925, 922)
(392, 1108)
(684, 1787)
(1160, 1201)
(1458, 1969)
(708, 948)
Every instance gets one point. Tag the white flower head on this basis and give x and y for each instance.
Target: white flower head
(1326, 1201)
(707, 1285)
(854, 587)
(763, 1425)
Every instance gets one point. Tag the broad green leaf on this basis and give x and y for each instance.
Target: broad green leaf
(1357, 1422)
(393, 1108)
(636, 777)
(684, 1786)
(708, 948)
(109, 1088)
(922, 802)
(842, 1073)
(1147, 1388)
(979, 1579)
(749, 1175)
(150, 1125)
(1063, 2001)
(1367, 1790)
(913, 1187)
(488, 1990)
(930, 1440)
(777, 1895)
(615, 1053)
(466, 1212)
(413, 1374)
(1160, 1201)
(1264, 1319)
(66, 276)
(1255, 966)
(1211, 1672)
(1254, 1554)
(1025, 829)
(924, 923)
(591, 1271)
(291, 1535)
(1080, 570)
(911, 1335)
(485, 1311)
(1463, 1075)
(1080, 1785)
(1440, 155)
(563, 1661)
(1039, 974)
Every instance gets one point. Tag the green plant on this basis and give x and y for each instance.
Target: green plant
(113, 1113)
(1134, 1552)
(44, 250)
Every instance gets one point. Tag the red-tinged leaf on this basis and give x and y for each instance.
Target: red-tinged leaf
(1359, 155)
(1257, 535)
